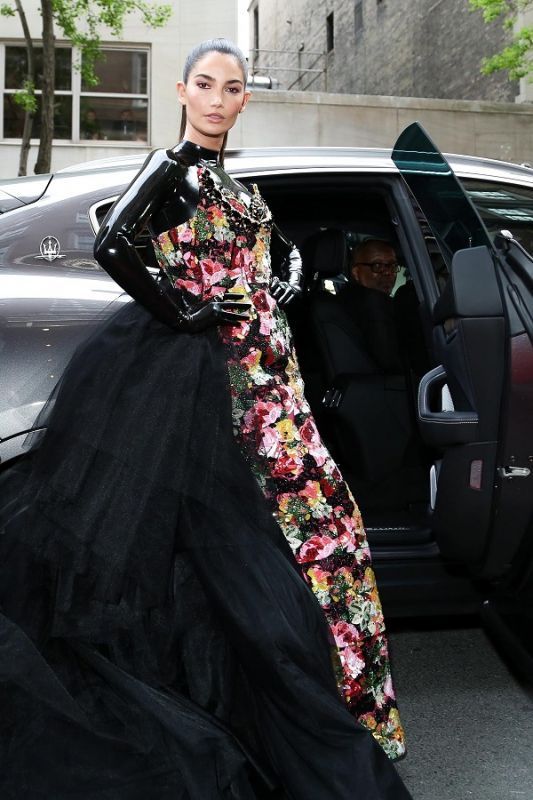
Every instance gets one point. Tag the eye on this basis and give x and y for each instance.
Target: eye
(202, 85)
(233, 90)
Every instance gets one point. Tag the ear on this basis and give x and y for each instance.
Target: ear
(245, 99)
(180, 86)
(355, 273)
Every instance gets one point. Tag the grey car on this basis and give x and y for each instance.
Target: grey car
(438, 450)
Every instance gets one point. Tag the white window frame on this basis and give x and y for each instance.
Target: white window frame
(136, 48)
(76, 93)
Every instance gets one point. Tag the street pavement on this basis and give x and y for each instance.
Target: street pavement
(468, 720)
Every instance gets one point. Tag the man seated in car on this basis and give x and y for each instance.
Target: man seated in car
(374, 265)
(367, 299)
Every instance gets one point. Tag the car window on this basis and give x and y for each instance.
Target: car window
(501, 206)
(504, 206)
(97, 215)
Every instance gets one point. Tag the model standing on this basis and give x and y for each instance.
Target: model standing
(187, 531)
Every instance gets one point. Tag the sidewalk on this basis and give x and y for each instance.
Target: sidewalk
(469, 723)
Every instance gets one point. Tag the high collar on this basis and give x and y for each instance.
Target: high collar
(203, 153)
(209, 155)
(195, 152)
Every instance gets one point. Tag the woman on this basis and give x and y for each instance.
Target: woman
(162, 632)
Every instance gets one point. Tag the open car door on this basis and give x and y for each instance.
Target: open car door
(476, 407)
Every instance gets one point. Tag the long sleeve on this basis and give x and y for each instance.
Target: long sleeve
(115, 247)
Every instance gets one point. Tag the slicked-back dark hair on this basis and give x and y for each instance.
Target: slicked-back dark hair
(226, 48)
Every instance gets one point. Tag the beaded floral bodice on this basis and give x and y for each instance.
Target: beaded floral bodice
(224, 246)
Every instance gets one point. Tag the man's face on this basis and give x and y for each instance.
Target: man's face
(375, 266)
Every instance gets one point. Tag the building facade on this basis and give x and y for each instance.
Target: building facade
(407, 48)
(134, 107)
(525, 19)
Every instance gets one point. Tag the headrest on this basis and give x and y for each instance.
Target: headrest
(326, 253)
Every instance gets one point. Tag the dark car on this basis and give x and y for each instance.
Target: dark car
(438, 447)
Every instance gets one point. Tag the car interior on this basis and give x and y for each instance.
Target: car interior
(362, 394)
(363, 398)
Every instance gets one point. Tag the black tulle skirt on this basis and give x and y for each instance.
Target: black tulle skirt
(156, 638)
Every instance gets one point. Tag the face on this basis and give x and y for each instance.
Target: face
(214, 96)
(374, 266)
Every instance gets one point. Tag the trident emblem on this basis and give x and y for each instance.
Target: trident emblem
(50, 248)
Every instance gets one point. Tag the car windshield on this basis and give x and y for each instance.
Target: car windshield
(503, 206)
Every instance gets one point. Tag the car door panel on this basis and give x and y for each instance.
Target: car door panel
(479, 323)
(469, 338)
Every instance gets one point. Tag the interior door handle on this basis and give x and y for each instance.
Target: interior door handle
(514, 472)
(442, 428)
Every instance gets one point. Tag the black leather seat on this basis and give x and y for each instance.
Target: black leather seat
(365, 409)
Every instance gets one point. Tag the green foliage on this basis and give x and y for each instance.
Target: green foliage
(7, 11)
(492, 9)
(81, 21)
(25, 97)
(517, 57)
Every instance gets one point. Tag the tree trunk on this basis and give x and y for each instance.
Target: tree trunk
(44, 157)
(30, 77)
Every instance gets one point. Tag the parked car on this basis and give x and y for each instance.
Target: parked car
(439, 451)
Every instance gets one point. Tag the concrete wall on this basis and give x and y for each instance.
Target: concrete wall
(450, 43)
(409, 48)
(495, 130)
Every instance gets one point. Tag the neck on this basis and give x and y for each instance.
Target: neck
(213, 143)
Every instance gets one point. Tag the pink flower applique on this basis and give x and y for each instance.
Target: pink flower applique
(261, 415)
(287, 467)
(270, 445)
(185, 234)
(354, 663)
(212, 271)
(263, 301)
(316, 547)
(345, 634)
(266, 324)
(190, 286)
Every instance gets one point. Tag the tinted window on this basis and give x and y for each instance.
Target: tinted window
(442, 200)
(120, 72)
(14, 117)
(503, 206)
(16, 67)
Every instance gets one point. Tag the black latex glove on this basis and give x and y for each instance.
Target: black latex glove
(194, 317)
(286, 289)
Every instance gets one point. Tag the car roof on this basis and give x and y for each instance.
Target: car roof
(276, 160)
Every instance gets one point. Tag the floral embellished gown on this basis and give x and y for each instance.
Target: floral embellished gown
(187, 605)
(225, 247)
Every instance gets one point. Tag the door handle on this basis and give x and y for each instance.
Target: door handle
(514, 472)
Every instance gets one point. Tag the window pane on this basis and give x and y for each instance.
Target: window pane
(111, 118)
(121, 72)
(16, 65)
(14, 118)
(504, 207)
(451, 216)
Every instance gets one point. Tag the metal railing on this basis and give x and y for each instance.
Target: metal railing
(309, 65)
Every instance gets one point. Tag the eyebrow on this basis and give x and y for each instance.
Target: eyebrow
(210, 78)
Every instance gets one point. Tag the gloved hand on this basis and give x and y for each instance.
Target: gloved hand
(290, 286)
(194, 317)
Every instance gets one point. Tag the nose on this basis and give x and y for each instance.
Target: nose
(216, 99)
